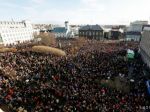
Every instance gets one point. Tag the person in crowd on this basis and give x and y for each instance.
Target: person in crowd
(46, 83)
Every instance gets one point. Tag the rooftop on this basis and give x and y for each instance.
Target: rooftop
(60, 30)
(91, 27)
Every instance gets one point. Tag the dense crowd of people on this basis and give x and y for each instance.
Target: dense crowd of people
(45, 83)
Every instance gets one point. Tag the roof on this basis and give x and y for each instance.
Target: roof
(105, 29)
(60, 30)
(118, 30)
(133, 33)
(91, 27)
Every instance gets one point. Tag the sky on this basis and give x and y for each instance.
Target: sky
(104, 12)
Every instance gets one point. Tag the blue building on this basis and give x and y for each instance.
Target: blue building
(63, 32)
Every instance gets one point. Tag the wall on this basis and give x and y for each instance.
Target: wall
(145, 47)
(133, 37)
(91, 34)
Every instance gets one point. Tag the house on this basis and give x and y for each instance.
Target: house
(116, 33)
(107, 33)
(91, 32)
(63, 32)
(113, 31)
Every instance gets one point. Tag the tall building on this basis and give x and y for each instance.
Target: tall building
(134, 31)
(145, 47)
(137, 26)
(12, 32)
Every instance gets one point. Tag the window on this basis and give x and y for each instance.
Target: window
(94, 33)
(90, 33)
(97, 33)
(82, 33)
(1, 40)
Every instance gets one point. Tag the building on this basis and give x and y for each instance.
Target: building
(12, 32)
(75, 29)
(41, 28)
(91, 32)
(134, 31)
(107, 33)
(63, 32)
(146, 28)
(145, 47)
(60, 32)
(133, 36)
(137, 26)
(116, 33)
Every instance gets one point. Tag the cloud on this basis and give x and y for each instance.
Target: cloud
(9, 5)
(92, 6)
(38, 1)
(84, 12)
(90, 2)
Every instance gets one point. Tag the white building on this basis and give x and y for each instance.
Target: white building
(37, 28)
(75, 29)
(63, 32)
(13, 32)
(137, 26)
(135, 29)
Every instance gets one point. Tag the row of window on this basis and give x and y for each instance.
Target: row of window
(16, 30)
(11, 23)
(17, 39)
(91, 33)
(60, 35)
(13, 27)
(15, 35)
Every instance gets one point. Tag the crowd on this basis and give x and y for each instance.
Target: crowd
(45, 83)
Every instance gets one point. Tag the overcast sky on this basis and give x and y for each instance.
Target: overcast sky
(76, 11)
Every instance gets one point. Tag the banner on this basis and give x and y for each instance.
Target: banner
(130, 54)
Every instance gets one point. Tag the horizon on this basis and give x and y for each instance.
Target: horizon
(80, 12)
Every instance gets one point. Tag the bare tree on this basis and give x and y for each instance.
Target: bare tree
(47, 39)
(77, 44)
(80, 42)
